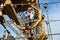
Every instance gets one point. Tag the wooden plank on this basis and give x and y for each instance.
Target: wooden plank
(11, 14)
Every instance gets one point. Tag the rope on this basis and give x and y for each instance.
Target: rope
(12, 28)
(48, 25)
(53, 34)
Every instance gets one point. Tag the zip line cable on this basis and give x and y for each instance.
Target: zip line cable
(53, 34)
(53, 21)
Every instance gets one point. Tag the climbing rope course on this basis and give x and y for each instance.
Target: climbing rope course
(30, 21)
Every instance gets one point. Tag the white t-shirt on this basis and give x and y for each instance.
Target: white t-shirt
(31, 14)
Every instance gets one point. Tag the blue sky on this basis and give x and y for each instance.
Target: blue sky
(54, 14)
